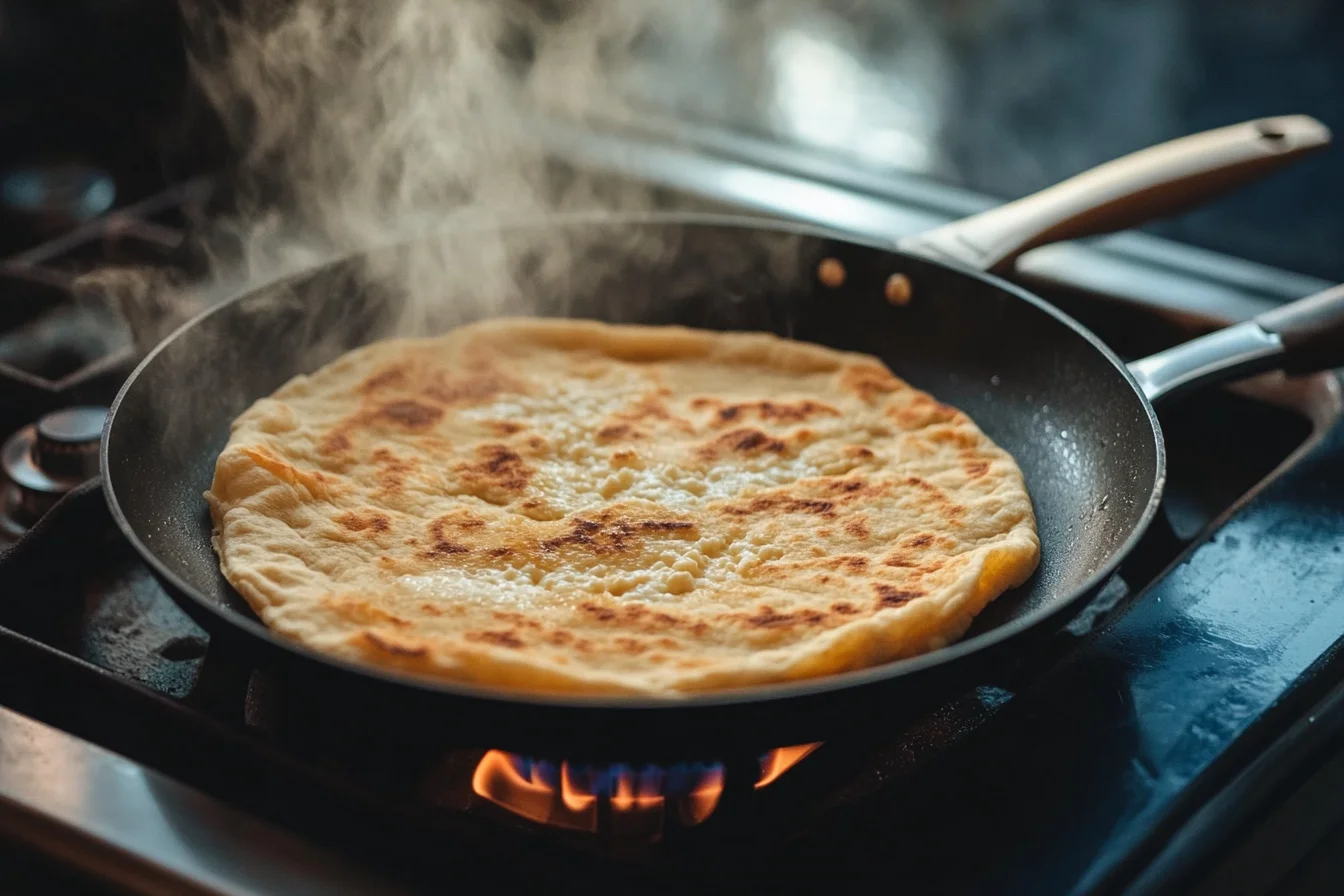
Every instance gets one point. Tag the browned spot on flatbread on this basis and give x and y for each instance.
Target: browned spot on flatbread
(598, 612)
(649, 407)
(975, 468)
(504, 427)
(387, 378)
(943, 435)
(444, 548)
(664, 526)
(868, 381)
(480, 384)
(519, 619)
(413, 415)
(907, 553)
(777, 503)
(334, 442)
(359, 522)
(767, 617)
(612, 536)
(403, 414)
(936, 496)
(855, 564)
(891, 596)
(499, 638)
(853, 490)
(743, 441)
(496, 467)
(923, 410)
(619, 432)
(631, 646)
(844, 608)
(442, 544)
(857, 528)
(765, 410)
(461, 520)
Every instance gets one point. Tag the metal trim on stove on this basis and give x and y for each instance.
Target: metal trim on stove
(125, 823)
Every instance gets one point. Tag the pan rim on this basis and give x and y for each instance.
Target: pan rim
(754, 694)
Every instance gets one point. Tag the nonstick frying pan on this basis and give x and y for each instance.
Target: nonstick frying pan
(1079, 422)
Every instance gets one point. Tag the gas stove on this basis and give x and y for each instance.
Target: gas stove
(1127, 754)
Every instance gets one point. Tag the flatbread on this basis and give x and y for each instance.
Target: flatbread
(571, 506)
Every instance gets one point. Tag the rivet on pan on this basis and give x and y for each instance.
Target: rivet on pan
(898, 289)
(831, 273)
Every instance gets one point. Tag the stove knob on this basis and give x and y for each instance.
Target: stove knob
(45, 460)
(66, 446)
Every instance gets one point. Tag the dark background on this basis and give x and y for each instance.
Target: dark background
(1007, 96)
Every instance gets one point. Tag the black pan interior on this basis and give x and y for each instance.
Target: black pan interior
(1036, 383)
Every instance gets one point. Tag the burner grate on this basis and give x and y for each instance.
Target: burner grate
(63, 340)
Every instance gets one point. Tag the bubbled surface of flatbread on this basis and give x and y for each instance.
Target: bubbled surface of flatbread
(571, 506)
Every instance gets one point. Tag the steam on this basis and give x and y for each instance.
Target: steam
(363, 125)
(419, 124)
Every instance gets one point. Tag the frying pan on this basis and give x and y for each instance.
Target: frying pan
(1079, 422)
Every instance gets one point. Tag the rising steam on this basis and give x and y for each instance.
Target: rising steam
(360, 124)
(364, 124)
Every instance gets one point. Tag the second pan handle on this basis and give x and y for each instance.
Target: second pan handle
(1305, 336)
(1149, 184)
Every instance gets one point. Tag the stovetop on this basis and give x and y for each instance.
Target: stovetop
(1126, 754)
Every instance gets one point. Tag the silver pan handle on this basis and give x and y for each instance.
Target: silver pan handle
(1149, 184)
(1305, 336)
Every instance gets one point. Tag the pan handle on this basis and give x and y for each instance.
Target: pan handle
(1151, 183)
(1305, 336)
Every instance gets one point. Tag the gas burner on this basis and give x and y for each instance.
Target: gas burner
(621, 800)
(47, 459)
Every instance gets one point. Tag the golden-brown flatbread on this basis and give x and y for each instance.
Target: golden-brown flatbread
(570, 506)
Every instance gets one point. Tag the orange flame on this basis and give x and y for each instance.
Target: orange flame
(777, 762)
(498, 780)
(638, 800)
(638, 803)
(701, 802)
(572, 796)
